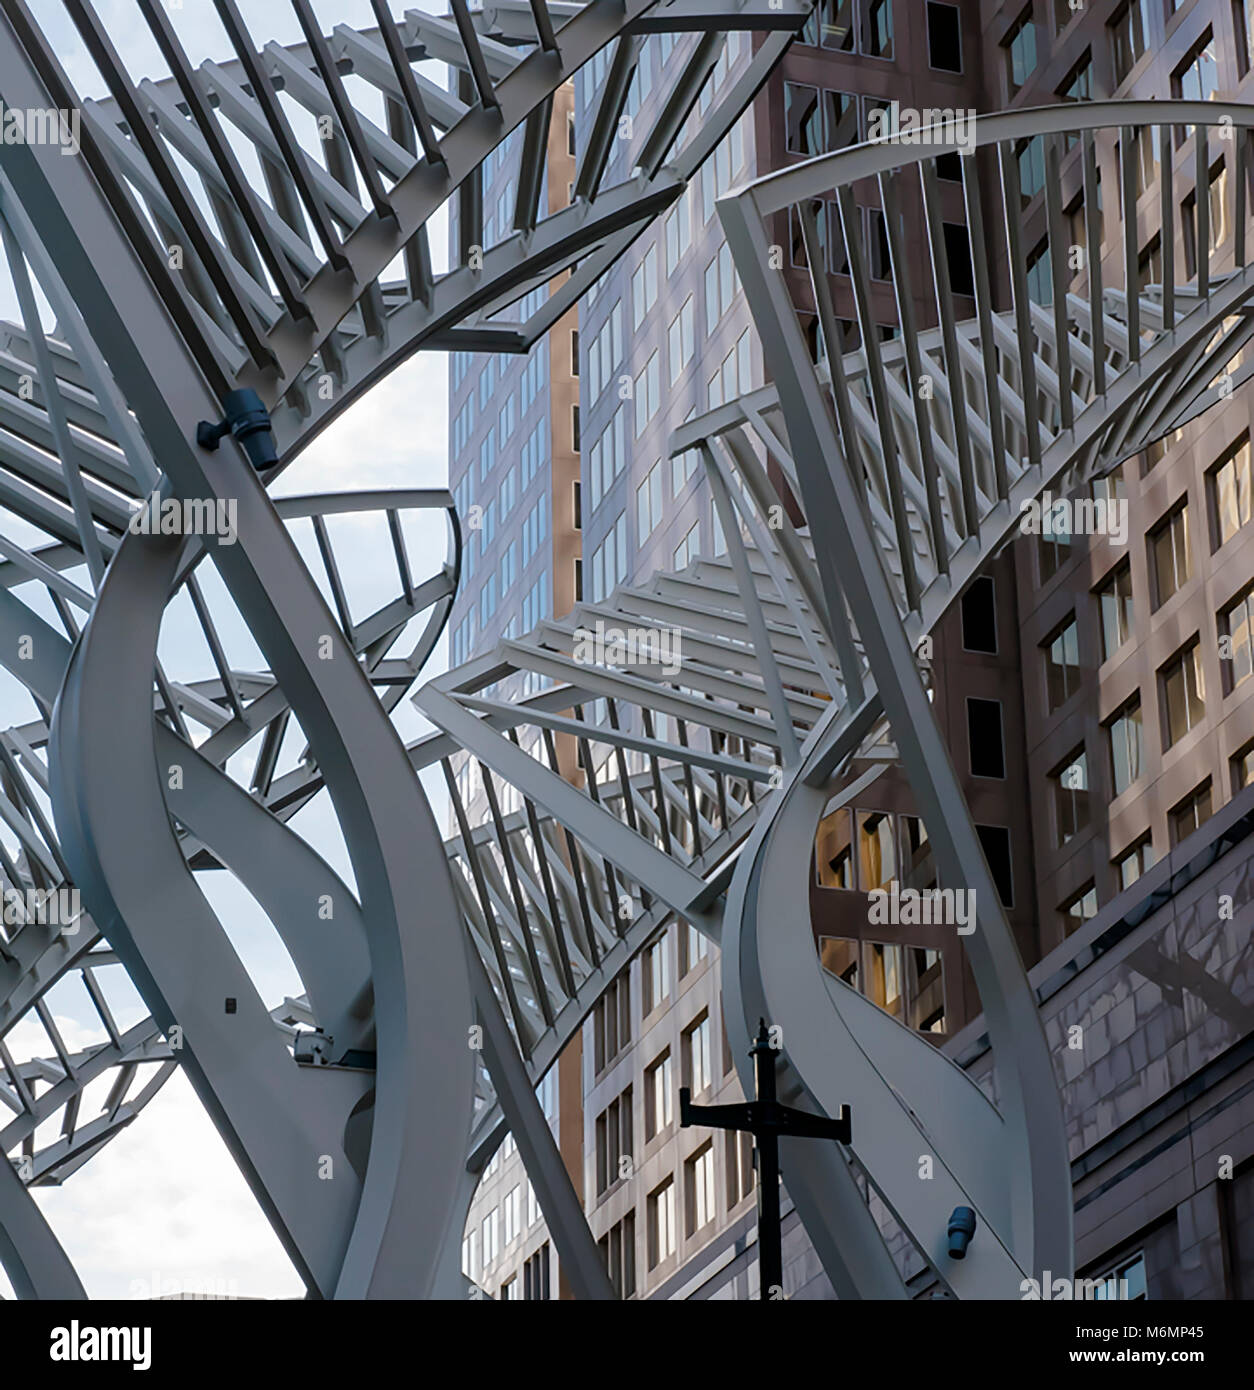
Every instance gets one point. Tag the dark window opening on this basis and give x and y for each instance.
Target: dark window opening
(979, 617)
(958, 259)
(995, 841)
(944, 38)
(984, 734)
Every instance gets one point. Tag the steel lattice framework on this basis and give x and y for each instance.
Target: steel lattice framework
(798, 664)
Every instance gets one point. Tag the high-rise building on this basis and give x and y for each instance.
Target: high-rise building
(1094, 691)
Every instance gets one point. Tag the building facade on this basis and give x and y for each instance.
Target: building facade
(1094, 690)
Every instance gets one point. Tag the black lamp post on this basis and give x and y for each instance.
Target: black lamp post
(766, 1119)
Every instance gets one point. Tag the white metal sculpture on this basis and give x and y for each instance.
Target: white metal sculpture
(793, 656)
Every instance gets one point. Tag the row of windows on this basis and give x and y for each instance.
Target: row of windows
(1182, 707)
(608, 457)
(865, 26)
(605, 352)
(612, 1017)
(498, 1229)
(1072, 809)
(1230, 506)
(591, 78)
(853, 26)
(535, 606)
(533, 455)
(610, 561)
(1129, 36)
(535, 375)
(618, 1245)
(534, 529)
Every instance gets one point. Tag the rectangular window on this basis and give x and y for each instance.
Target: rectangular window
(1079, 908)
(1127, 1281)
(1183, 693)
(680, 340)
(678, 232)
(1030, 159)
(995, 842)
(659, 1086)
(1191, 814)
(1071, 796)
(694, 946)
(738, 1164)
(958, 259)
(1115, 602)
(1040, 277)
(1134, 862)
(1217, 222)
(1243, 23)
(1236, 639)
(721, 284)
(944, 37)
(695, 1056)
(618, 1249)
(1129, 37)
(1169, 554)
(979, 617)
(984, 738)
(699, 1188)
(1149, 152)
(649, 503)
(656, 973)
(1197, 78)
(877, 29)
(688, 549)
(648, 391)
(1079, 83)
(536, 1275)
(1243, 768)
(1126, 746)
(803, 119)
(611, 1021)
(1021, 52)
(511, 1209)
(644, 287)
(877, 859)
(1230, 490)
(1062, 664)
(613, 1140)
(490, 1231)
(877, 245)
(661, 1223)
(840, 120)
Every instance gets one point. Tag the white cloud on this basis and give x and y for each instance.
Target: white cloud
(164, 1204)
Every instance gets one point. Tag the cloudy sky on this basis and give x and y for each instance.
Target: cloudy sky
(163, 1206)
